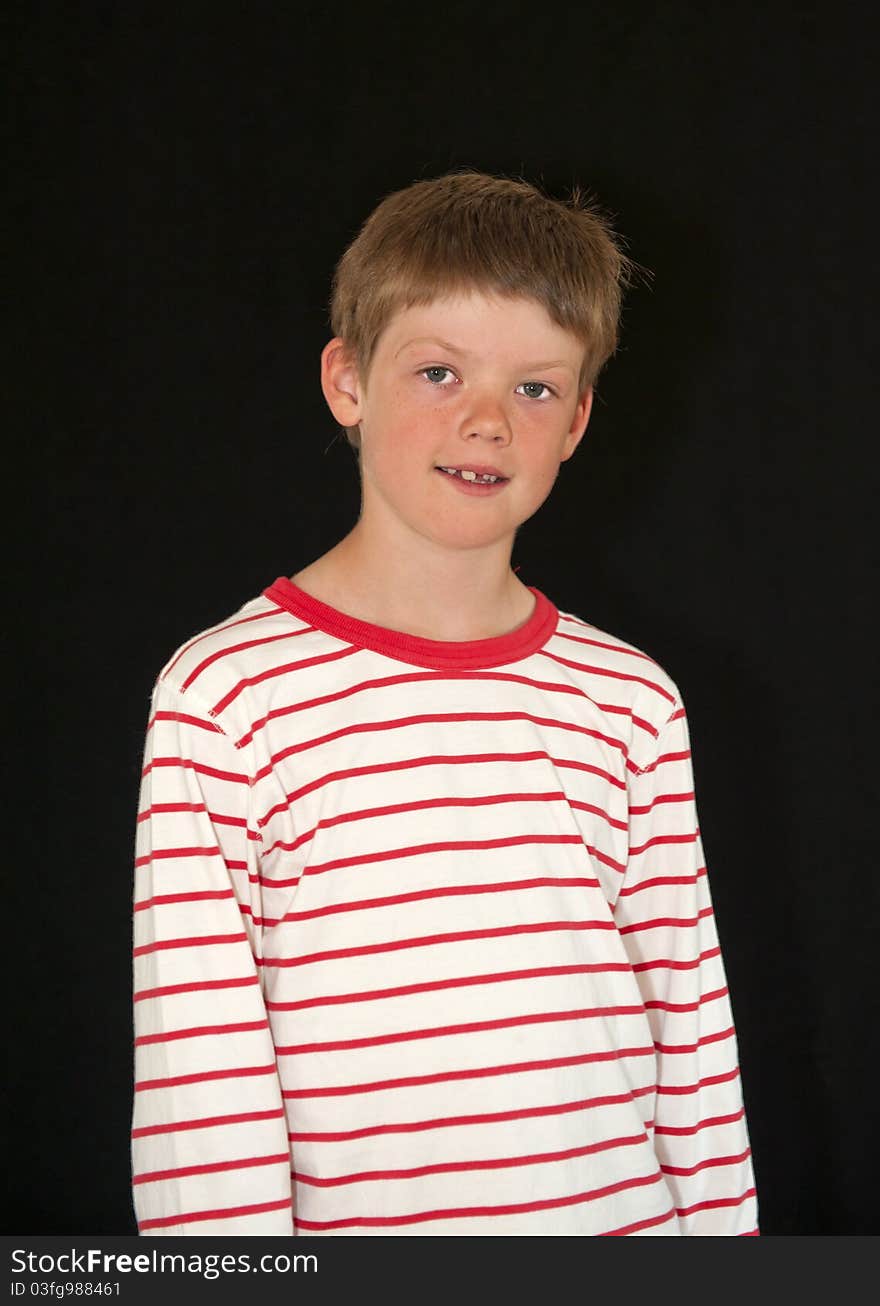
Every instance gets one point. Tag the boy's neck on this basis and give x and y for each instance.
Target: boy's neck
(470, 595)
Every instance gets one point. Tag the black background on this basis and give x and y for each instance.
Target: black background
(184, 178)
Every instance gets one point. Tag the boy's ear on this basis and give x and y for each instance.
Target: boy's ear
(578, 423)
(340, 381)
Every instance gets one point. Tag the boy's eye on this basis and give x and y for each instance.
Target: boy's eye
(532, 389)
(436, 375)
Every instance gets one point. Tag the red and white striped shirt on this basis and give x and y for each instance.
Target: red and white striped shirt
(423, 940)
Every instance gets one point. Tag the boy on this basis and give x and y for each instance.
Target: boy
(423, 938)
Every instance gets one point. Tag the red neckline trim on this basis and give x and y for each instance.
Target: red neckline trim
(440, 654)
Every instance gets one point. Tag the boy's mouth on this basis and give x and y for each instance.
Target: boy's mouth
(475, 475)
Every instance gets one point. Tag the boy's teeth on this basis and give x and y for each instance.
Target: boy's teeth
(471, 476)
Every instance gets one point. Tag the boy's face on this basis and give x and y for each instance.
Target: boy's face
(474, 382)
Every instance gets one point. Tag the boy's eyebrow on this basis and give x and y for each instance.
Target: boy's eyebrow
(465, 353)
(430, 340)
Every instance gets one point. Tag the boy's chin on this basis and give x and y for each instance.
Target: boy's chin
(459, 538)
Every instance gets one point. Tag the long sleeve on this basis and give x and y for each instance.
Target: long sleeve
(210, 1148)
(665, 917)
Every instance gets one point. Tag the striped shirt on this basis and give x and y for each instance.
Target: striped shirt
(424, 942)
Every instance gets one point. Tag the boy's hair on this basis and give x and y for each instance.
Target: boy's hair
(469, 231)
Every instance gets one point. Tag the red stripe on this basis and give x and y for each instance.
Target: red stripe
(673, 1049)
(683, 1090)
(166, 899)
(476, 1212)
(215, 1167)
(659, 839)
(240, 821)
(273, 672)
(596, 811)
(644, 808)
(183, 763)
(638, 1225)
(455, 1167)
(637, 721)
(709, 1123)
(203, 1077)
(160, 854)
(677, 965)
(489, 800)
(599, 643)
(439, 759)
(656, 882)
(464, 981)
(156, 808)
(198, 986)
(431, 940)
(368, 813)
(478, 1072)
(183, 718)
(486, 1118)
(605, 859)
(472, 1027)
(272, 611)
(424, 895)
(715, 1205)
(198, 941)
(661, 922)
(228, 1213)
(201, 1031)
(714, 996)
(216, 818)
(428, 718)
(708, 1164)
(208, 1122)
(611, 675)
(440, 846)
(237, 648)
(682, 756)
(176, 853)
(417, 677)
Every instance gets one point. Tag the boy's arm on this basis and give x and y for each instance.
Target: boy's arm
(210, 1150)
(664, 914)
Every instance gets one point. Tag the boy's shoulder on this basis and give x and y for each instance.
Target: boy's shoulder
(601, 650)
(618, 675)
(211, 667)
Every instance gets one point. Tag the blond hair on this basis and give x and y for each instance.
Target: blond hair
(466, 231)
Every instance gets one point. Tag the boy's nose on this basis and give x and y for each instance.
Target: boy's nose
(488, 419)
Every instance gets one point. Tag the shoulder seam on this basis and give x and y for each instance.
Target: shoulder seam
(190, 699)
(676, 713)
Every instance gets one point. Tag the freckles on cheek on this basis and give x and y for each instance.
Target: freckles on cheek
(403, 407)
